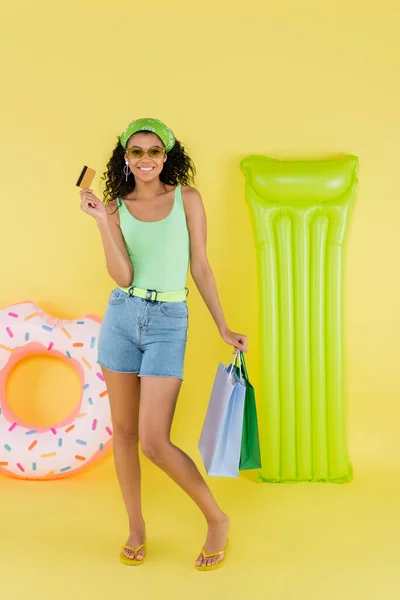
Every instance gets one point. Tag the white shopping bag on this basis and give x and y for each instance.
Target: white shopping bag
(221, 437)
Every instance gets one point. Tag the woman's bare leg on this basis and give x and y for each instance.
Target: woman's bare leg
(158, 396)
(124, 395)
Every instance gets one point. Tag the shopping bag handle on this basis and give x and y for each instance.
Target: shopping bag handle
(236, 363)
(243, 363)
(233, 360)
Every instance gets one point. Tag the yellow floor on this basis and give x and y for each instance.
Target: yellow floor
(289, 541)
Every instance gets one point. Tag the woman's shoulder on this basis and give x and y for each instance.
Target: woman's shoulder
(188, 187)
(112, 209)
(190, 195)
(190, 192)
(192, 201)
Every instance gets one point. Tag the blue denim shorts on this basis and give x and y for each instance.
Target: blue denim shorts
(144, 337)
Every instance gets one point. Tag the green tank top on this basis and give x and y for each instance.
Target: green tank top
(159, 250)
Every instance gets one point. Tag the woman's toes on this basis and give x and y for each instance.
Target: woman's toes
(208, 562)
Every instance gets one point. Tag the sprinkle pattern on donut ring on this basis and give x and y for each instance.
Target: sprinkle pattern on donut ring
(30, 452)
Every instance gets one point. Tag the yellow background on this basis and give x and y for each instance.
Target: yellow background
(289, 80)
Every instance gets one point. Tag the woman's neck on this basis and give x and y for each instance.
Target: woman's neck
(146, 190)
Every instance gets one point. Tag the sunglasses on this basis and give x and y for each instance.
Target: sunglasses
(137, 152)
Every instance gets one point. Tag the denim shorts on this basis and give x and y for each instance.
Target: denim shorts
(144, 337)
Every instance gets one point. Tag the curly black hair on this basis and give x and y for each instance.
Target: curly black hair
(178, 169)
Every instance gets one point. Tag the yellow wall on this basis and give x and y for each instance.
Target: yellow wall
(286, 79)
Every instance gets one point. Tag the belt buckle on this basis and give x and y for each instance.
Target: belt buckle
(149, 294)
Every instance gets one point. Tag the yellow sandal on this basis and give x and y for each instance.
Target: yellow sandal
(216, 565)
(132, 561)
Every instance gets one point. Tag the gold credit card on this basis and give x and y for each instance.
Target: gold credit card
(86, 178)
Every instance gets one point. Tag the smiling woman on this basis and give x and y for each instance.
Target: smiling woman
(152, 227)
(177, 170)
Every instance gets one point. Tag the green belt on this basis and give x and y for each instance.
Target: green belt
(154, 296)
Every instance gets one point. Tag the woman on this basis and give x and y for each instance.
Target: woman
(153, 225)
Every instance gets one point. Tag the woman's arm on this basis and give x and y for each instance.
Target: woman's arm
(118, 263)
(200, 268)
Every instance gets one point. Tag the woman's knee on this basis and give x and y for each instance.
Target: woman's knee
(154, 447)
(125, 433)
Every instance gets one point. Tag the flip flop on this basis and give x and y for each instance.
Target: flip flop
(216, 565)
(132, 561)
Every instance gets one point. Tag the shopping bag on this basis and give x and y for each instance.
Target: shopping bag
(250, 457)
(221, 437)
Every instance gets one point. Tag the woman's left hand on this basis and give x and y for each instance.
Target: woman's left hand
(237, 340)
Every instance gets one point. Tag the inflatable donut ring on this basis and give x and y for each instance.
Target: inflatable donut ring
(29, 452)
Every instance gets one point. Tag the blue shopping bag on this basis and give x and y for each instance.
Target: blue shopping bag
(221, 437)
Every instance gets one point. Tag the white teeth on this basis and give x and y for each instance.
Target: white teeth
(147, 169)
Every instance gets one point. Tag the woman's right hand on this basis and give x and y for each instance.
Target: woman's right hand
(92, 205)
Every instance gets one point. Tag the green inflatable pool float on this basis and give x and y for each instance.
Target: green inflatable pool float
(300, 212)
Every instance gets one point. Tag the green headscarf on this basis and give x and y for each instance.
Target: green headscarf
(154, 125)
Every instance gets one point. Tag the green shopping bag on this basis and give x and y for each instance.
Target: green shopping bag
(250, 453)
